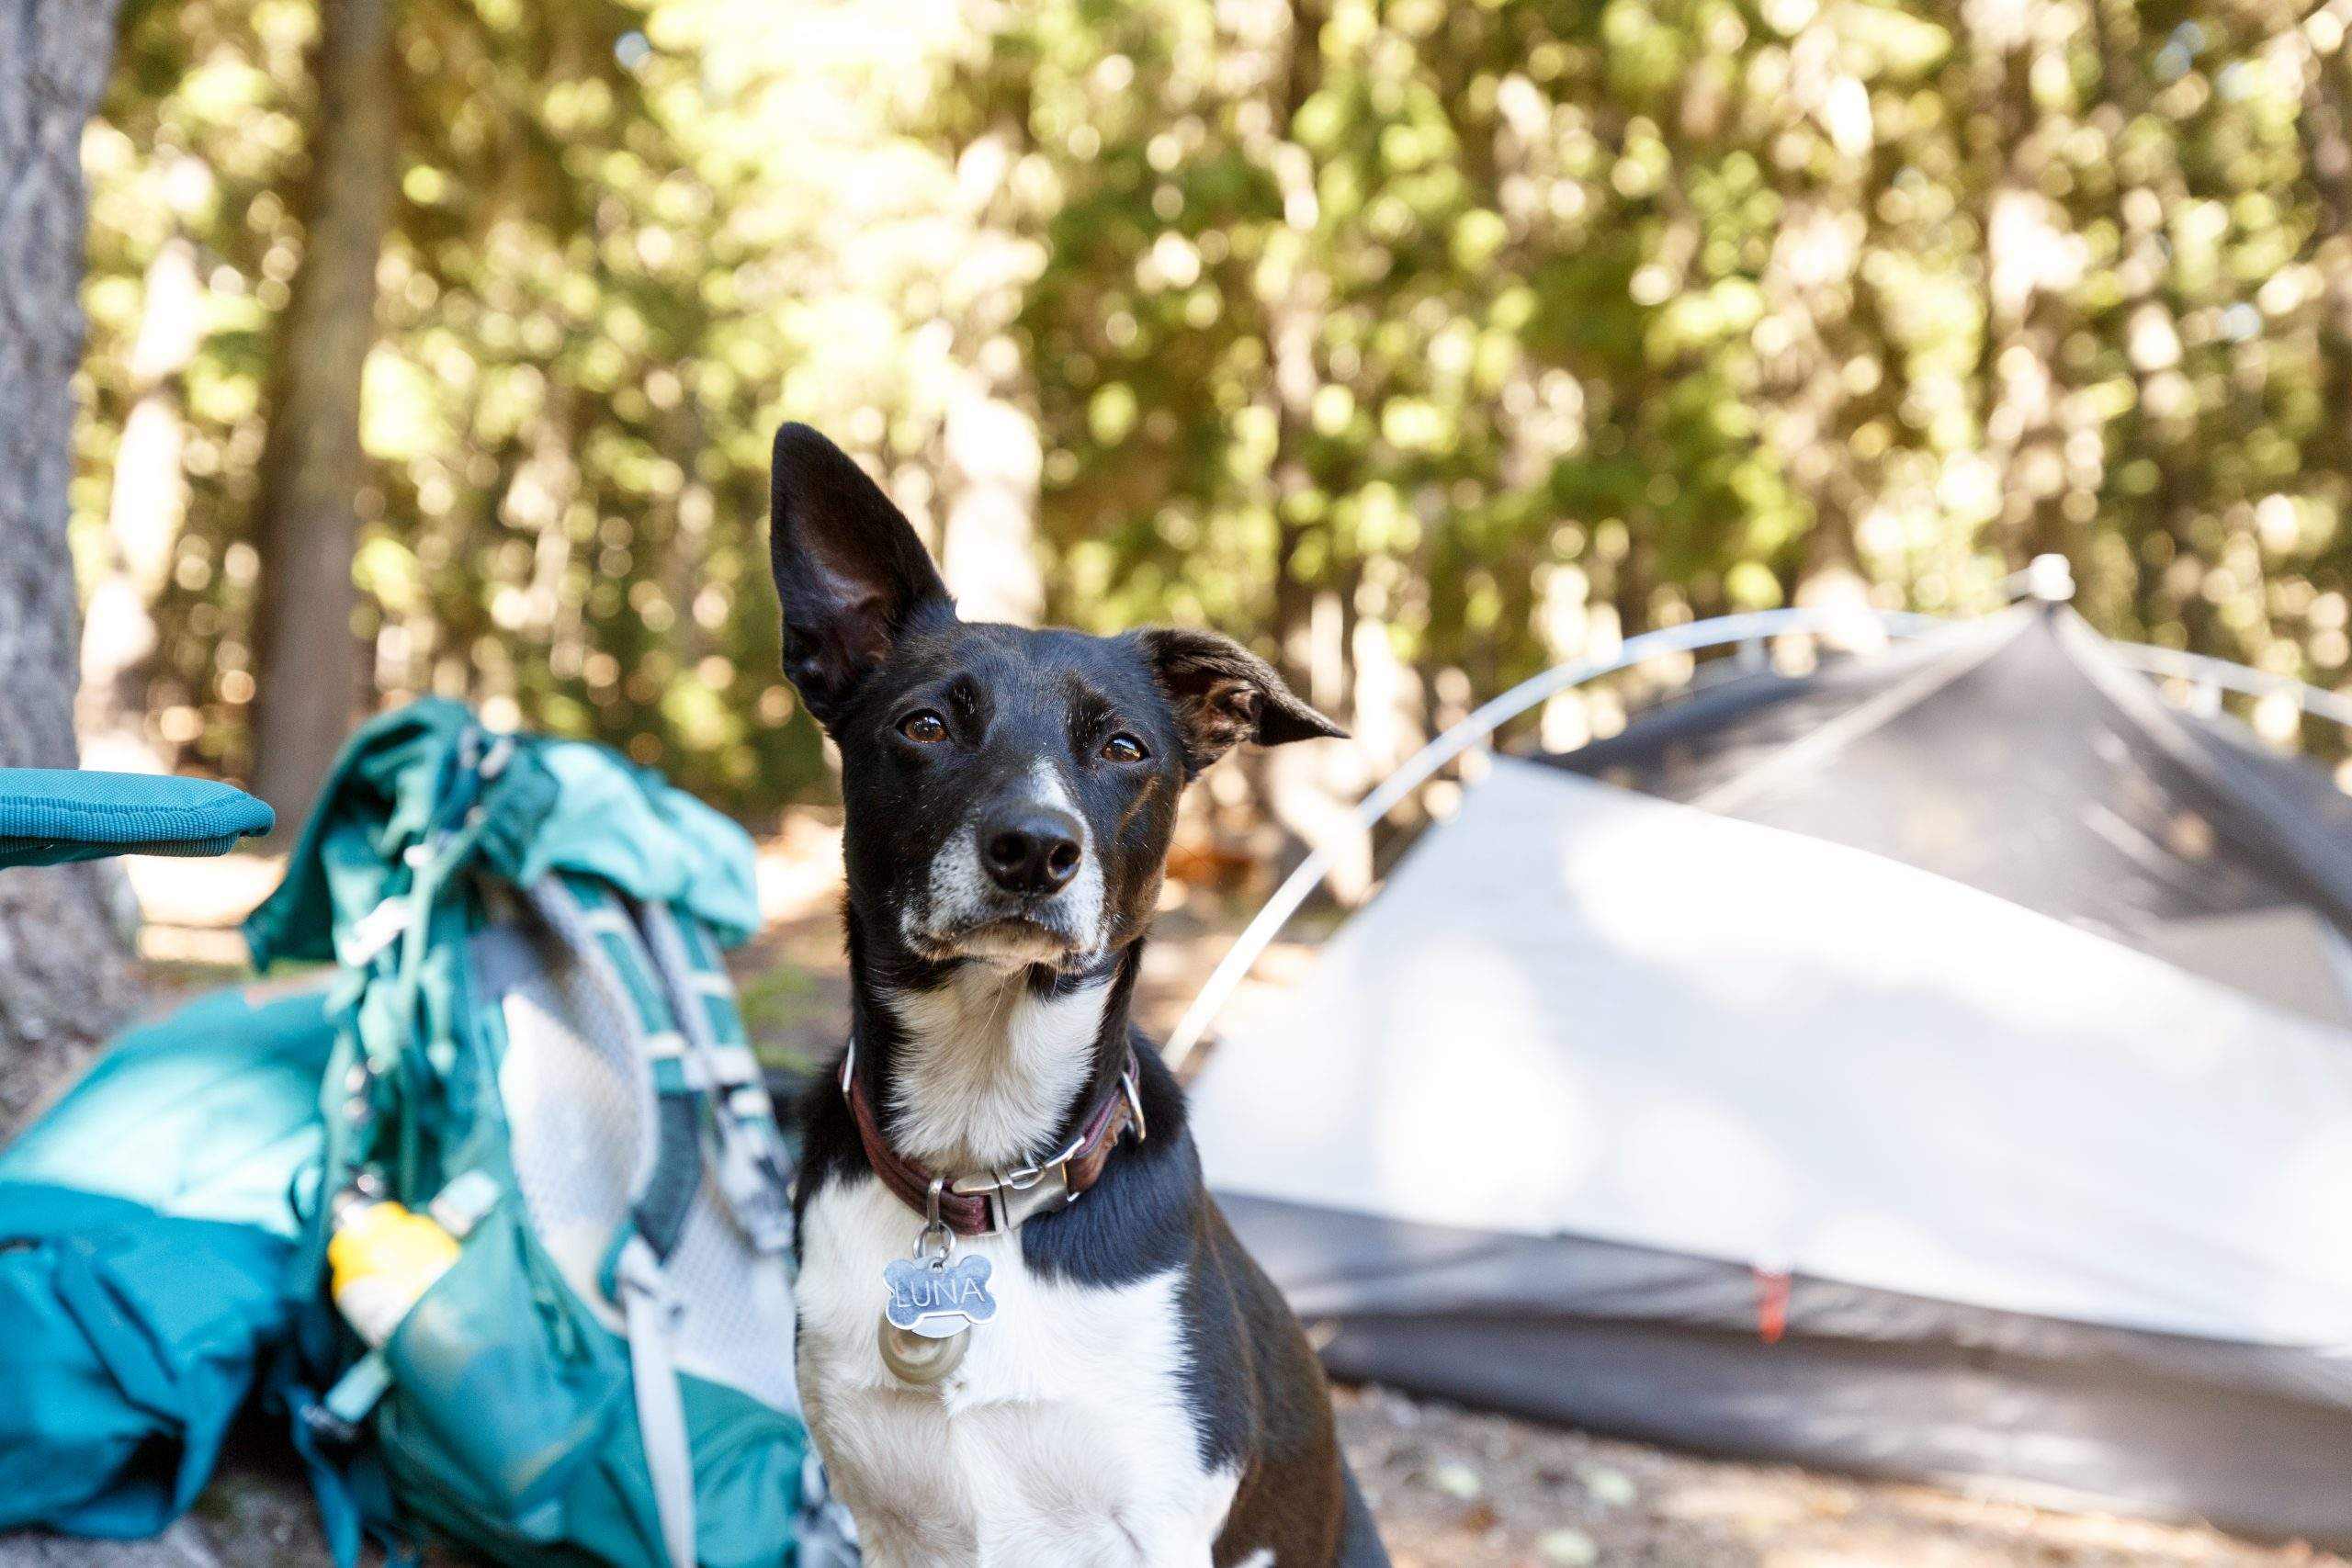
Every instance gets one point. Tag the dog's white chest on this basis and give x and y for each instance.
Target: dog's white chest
(1062, 1438)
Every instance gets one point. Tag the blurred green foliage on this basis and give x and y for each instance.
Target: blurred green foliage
(1426, 343)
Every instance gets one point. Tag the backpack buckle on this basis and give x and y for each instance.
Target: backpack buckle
(327, 1426)
(335, 1415)
(374, 931)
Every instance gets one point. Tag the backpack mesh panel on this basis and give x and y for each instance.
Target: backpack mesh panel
(580, 1152)
(576, 1095)
(737, 1327)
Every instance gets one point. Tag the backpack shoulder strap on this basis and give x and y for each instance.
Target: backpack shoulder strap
(748, 1152)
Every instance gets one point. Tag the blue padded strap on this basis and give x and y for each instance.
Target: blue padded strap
(49, 815)
(661, 1209)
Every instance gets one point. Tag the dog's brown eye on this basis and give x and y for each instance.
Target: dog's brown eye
(1123, 749)
(925, 728)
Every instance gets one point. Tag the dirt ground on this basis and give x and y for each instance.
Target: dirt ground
(1451, 1488)
(1457, 1489)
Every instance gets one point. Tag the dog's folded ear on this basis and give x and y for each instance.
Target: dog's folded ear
(1223, 694)
(850, 573)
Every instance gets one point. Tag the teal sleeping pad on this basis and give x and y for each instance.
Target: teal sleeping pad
(147, 1225)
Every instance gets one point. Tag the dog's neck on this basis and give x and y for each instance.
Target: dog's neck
(973, 1067)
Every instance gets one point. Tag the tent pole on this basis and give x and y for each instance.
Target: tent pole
(2051, 579)
(2202, 669)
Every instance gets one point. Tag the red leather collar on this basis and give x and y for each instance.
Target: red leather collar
(996, 1201)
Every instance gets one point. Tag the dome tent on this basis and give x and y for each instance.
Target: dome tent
(1933, 1066)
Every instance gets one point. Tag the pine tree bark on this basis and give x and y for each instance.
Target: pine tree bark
(2024, 274)
(2325, 126)
(1291, 317)
(306, 661)
(64, 971)
(143, 518)
(988, 530)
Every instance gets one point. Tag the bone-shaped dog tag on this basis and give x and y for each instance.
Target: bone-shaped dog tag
(937, 1299)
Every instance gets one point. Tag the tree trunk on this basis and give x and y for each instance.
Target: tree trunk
(144, 520)
(1291, 315)
(63, 965)
(988, 537)
(1293, 294)
(2326, 128)
(307, 668)
(2026, 273)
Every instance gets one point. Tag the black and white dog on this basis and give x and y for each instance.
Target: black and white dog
(1110, 1382)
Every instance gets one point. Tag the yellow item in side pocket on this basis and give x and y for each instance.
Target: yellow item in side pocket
(382, 1259)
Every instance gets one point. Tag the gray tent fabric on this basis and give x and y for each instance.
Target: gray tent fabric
(1858, 1118)
(2016, 756)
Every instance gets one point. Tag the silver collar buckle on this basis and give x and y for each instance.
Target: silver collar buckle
(1012, 1196)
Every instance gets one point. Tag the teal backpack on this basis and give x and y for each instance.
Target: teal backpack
(537, 1045)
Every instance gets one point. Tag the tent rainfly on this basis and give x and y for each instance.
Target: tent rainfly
(1939, 1064)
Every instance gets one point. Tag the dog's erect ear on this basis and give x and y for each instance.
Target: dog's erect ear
(849, 572)
(1223, 694)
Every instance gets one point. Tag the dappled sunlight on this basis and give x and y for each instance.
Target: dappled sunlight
(1460, 1490)
(189, 910)
(1942, 1554)
(799, 869)
(221, 891)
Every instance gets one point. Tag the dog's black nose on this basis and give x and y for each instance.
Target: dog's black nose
(1030, 850)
